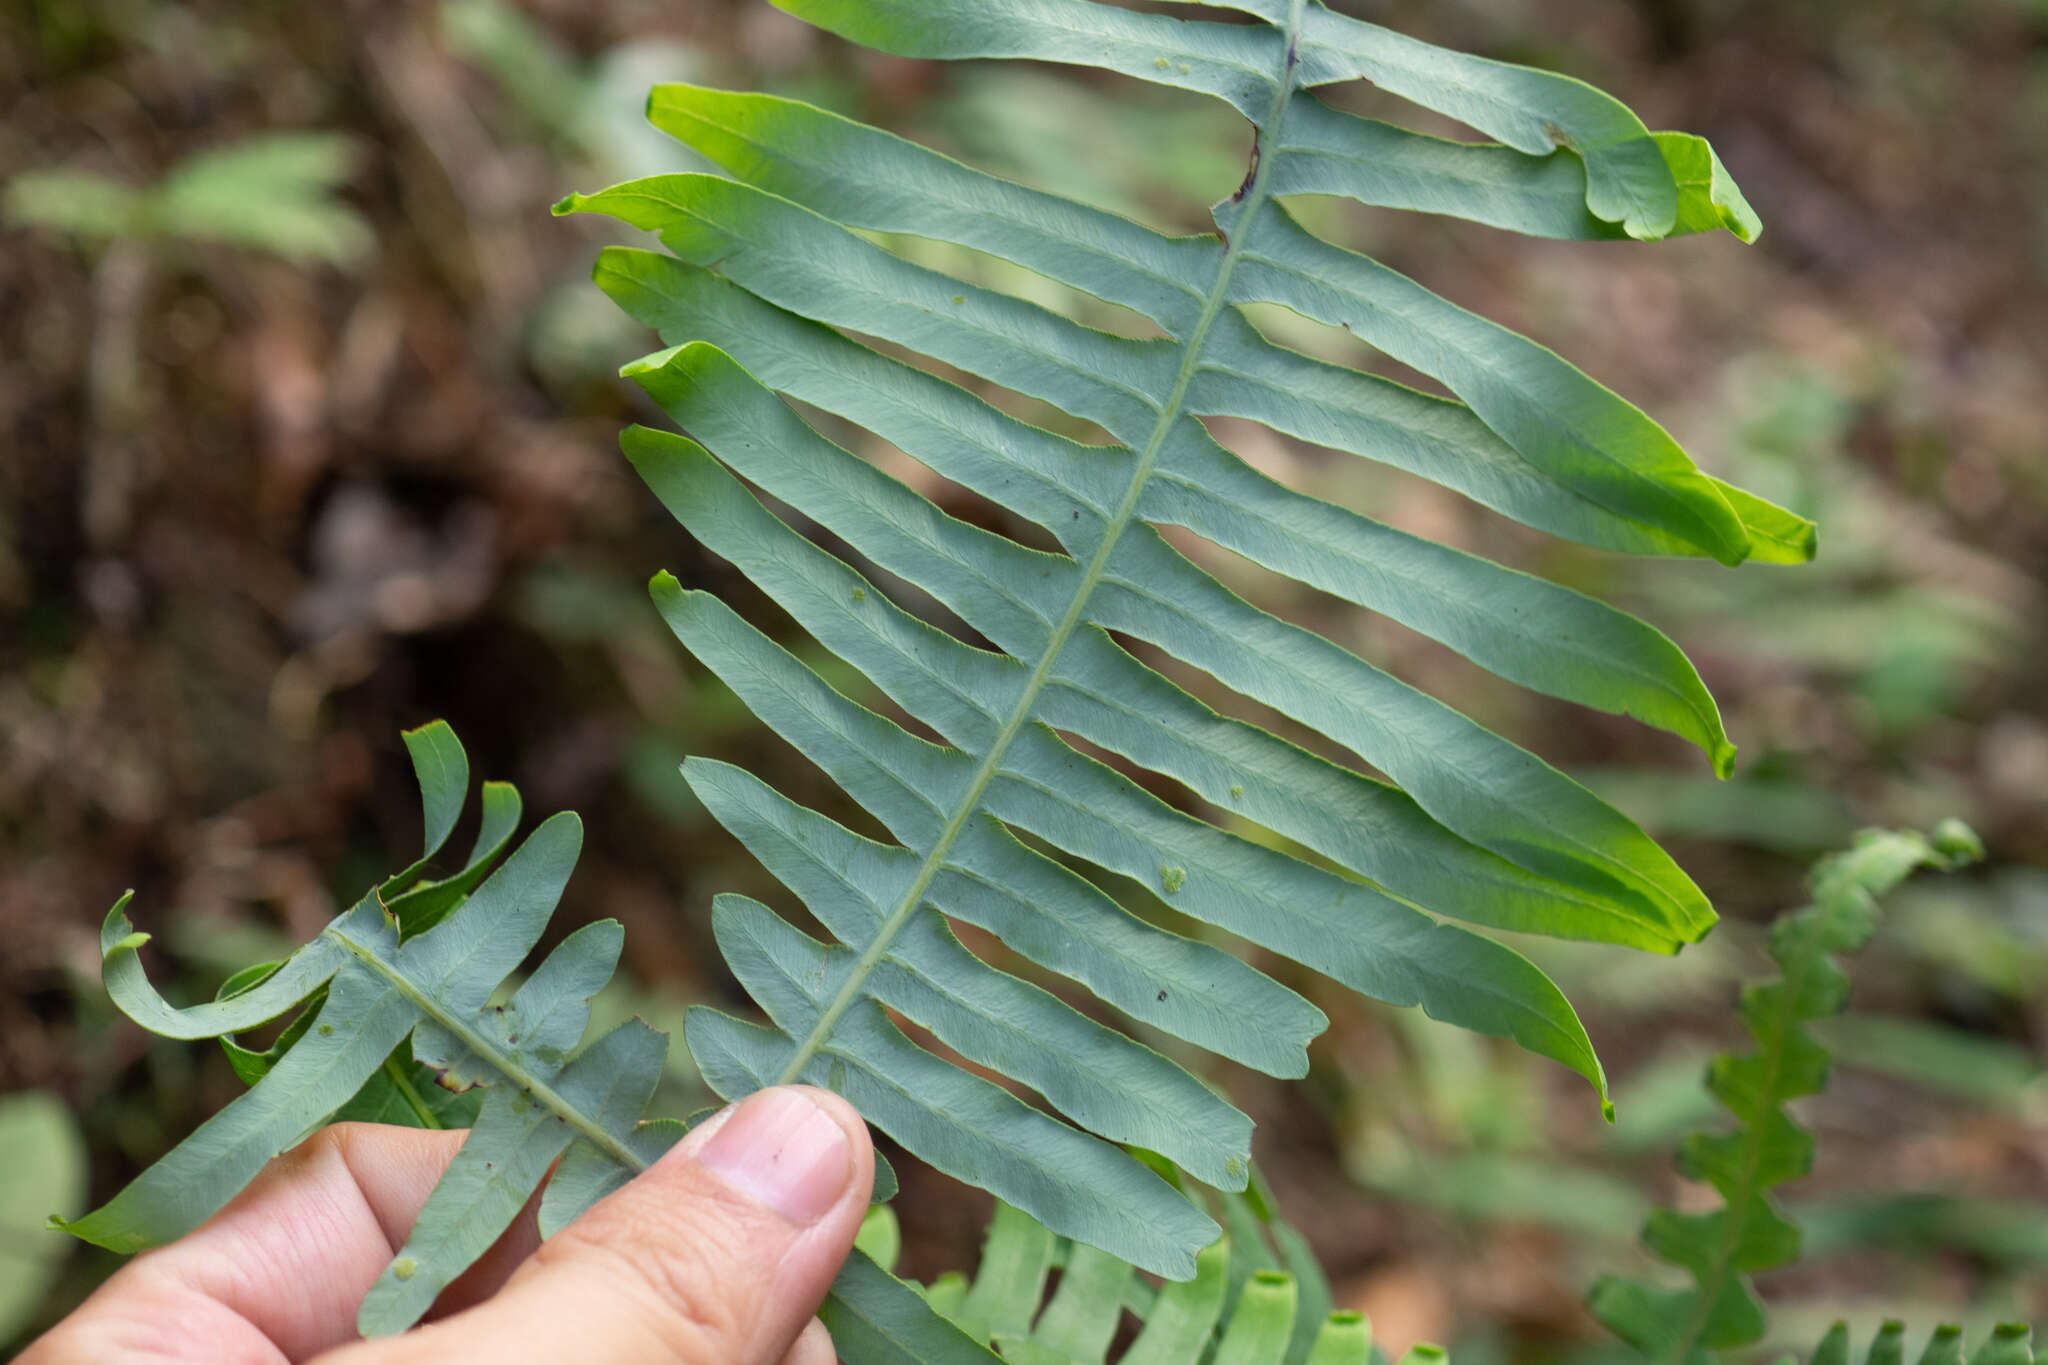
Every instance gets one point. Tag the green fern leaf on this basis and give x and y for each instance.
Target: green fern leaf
(768, 272)
(1721, 1248)
(1244, 1304)
(1238, 1308)
(369, 983)
(2009, 1344)
(395, 1025)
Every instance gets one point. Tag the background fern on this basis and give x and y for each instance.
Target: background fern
(1721, 1248)
(1244, 1306)
(768, 274)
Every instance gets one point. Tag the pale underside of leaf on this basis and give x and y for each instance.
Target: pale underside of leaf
(542, 1097)
(771, 269)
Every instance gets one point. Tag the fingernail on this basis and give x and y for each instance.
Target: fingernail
(783, 1150)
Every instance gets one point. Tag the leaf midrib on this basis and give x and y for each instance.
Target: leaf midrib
(505, 1065)
(1169, 413)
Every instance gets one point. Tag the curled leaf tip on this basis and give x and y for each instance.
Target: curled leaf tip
(654, 360)
(116, 932)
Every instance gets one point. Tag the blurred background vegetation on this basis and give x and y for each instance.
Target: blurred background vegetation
(307, 420)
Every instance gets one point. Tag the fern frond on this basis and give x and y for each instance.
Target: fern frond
(1720, 1249)
(2010, 1343)
(1243, 1306)
(395, 1024)
(419, 962)
(768, 276)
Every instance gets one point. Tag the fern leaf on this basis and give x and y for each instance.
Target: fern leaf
(1010, 595)
(368, 985)
(1721, 1248)
(875, 1317)
(1117, 1087)
(1888, 1347)
(1243, 1304)
(1237, 1308)
(2010, 1343)
(765, 276)
(395, 1025)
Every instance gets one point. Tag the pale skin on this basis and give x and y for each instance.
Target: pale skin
(717, 1255)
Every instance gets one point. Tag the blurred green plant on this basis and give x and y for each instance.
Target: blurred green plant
(1257, 1296)
(271, 192)
(594, 108)
(1494, 1161)
(1993, 938)
(1882, 611)
(1722, 1248)
(42, 1169)
(1245, 1305)
(2008, 1344)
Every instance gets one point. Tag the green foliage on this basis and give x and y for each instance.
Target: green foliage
(394, 1010)
(1245, 1305)
(272, 192)
(765, 276)
(2008, 1344)
(45, 1166)
(1721, 1248)
(407, 1009)
(769, 276)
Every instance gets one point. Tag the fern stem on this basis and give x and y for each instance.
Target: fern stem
(1712, 1285)
(1249, 197)
(507, 1066)
(402, 1083)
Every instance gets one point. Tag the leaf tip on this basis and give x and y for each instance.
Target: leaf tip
(1957, 843)
(431, 732)
(116, 931)
(653, 362)
(1805, 542)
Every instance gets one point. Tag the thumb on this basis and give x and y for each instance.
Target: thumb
(718, 1254)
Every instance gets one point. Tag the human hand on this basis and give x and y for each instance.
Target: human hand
(718, 1254)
